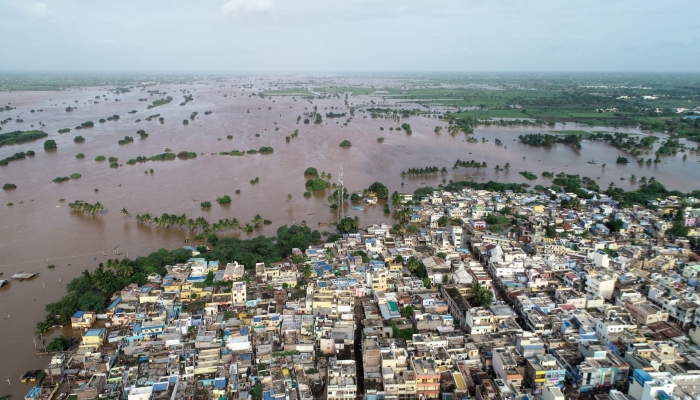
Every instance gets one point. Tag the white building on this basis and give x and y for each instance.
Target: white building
(479, 321)
(457, 238)
(601, 285)
(342, 381)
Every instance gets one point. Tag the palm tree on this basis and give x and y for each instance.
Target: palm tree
(412, 264)
(257, 220)
(306, 271)
(507, 167)
(125, 212)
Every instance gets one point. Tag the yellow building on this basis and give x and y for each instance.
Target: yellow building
(94, 338)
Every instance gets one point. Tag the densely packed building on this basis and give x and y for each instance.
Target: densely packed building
(495, 296)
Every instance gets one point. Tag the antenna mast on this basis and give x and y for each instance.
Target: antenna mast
(340, 193)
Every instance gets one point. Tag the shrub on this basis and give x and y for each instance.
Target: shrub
(75, 175)
(311, 171)
(528, 175)
(113, 159)
(380, 139)
(80, 155)
(50, 145)
(61, 179)
(307, 194)
(114, 165)
(345, 143)
(64, 130)
(225, 199)
(78, 139)
(205, 204)
(100, 158)
(186, 155)
(266, 150)
(9, 186)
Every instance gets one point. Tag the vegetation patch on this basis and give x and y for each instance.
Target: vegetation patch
(50, 145)
(20, 137)
(16, 156)
(528, 175)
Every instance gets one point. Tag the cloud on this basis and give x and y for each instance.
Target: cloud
(235, 7)
(40, 10)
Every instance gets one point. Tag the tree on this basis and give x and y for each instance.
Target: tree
(381, 191)
(399, 259)
(443, 221)
(257, 391)
(507, 167)
(306, 271)
(615, 225)
(678, 227)
(311, 171)
(482, 297)
(412, 263)
(91, 301)
(226, 199)
(289, 197)
(345, 143)
(58, 344)
(348, 225)
(407, 312)
(213, 239)
(551, 231)
(50, 145)
(210, 279)
(125, 212)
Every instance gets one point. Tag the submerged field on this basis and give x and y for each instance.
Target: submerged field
(254, 149)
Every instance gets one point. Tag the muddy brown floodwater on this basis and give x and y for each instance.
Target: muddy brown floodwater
(38, 229)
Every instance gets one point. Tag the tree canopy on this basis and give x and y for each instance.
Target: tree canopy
(379, 188)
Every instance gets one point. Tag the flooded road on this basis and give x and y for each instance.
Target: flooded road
(38, 229)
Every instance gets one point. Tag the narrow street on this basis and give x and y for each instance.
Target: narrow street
(359, 366)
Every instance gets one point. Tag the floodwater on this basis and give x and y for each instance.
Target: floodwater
(39, 229)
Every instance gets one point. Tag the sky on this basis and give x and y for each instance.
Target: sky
(349, 35)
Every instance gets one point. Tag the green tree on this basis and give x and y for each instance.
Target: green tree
(482, 297)
(678, 227)
(615, 225)
(412, 263)
(381, 191)
(311, 171)
(213, 239)
(407, 312)
(50, 145)
(58, 344)
(210, 279)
